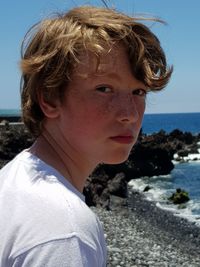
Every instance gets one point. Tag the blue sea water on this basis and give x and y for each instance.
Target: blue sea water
(184, 175)
(10, 112)
(186, 122)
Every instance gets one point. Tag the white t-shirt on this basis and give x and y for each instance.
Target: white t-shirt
(44, 220)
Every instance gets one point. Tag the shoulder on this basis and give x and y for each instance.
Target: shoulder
(66, 252)
(43, 208)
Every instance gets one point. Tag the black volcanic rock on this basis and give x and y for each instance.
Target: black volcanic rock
(179, 197)
(151, 155)
(13, 140)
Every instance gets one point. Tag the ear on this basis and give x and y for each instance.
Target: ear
(50, 110)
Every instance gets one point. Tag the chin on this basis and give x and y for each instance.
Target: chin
(117, 159)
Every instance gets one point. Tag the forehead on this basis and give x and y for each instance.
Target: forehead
(109, 61)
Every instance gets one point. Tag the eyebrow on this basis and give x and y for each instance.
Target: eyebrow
(114, 75)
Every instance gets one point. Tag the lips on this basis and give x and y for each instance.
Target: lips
(123, 139)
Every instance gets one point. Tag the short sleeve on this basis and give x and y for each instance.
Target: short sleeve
(69, 252)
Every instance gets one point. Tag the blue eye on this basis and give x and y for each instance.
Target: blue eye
(104, 89)
(140, 92)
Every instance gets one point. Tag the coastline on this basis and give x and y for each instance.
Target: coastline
(142, 234)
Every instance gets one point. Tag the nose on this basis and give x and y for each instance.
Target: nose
(128, 111)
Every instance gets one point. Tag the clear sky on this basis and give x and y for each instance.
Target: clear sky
(180, 40)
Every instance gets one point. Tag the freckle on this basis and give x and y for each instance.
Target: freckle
(112, 105)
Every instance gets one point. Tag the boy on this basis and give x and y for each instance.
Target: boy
(85, 76)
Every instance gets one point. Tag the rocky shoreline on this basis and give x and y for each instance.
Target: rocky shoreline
(138, 233)
(152, 155)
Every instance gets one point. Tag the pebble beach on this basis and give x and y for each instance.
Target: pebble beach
(138, 233)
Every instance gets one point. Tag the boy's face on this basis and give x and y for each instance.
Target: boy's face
(101, 115)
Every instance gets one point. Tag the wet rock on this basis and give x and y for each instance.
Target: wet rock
(179, 197)
(147, 188)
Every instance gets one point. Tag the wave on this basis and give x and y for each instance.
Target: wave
(160, 188)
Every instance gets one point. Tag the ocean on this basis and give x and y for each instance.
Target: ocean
(186, 122)
(184, 175)
(9, 112)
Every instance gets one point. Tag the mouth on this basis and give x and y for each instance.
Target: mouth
(123, 139)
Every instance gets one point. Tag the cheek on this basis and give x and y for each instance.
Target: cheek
(89, 117)
(141, 105)
(127, 103)
(140, 109)
(96, 109)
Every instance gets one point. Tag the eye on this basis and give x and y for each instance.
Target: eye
(140, 92)
(104, 89)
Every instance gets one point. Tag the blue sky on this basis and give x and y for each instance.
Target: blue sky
(180, 40)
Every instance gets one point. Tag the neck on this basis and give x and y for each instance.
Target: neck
(74, 169)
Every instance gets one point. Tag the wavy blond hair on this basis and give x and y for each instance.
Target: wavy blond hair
(51, 50)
